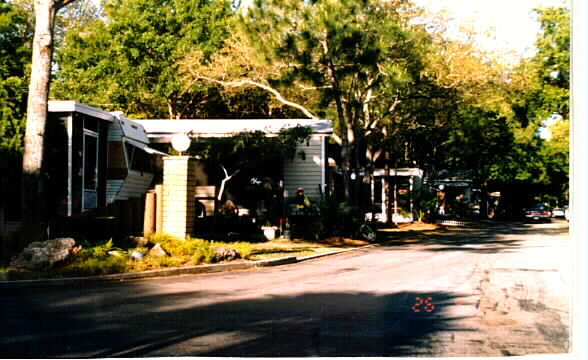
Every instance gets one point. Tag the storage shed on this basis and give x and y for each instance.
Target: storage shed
(95, 157)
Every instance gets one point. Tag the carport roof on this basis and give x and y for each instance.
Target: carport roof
(161, 130)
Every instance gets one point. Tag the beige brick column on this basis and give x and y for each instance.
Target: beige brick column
(179, 185)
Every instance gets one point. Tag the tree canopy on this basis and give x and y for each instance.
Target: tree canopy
(127, 60)
(15, 57)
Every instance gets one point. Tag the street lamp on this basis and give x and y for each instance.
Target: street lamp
(181, 142)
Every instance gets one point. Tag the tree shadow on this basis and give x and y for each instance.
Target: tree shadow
(131, 321)
(281, 251)
(484, 238)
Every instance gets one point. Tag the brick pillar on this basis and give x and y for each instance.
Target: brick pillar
(179, 185)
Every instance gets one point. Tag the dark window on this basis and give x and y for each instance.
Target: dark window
(90, 123)
(90, 162)
(139, 160)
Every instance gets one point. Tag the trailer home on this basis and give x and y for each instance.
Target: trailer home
(95, 158)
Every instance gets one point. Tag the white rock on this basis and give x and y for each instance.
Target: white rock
(41, 255)
(158, 250)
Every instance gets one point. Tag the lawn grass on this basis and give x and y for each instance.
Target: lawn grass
(4, 273)
(281, 247)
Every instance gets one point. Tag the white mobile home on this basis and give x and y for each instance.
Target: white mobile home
(310, 172)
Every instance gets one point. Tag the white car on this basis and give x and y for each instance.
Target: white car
(558, 212)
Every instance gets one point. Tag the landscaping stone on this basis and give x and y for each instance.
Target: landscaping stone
(225, 253)
(138, 241)
(158, 250)
(137, 255)
(44, 254)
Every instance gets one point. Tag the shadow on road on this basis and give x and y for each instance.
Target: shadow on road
(125, 321)
(484, 238)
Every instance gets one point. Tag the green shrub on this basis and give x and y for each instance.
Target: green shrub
(96, 260)
(99, 259)
(162, 238)
(4, 273)
(97, 266)
(99, 251)
(203, 255)
(170, 261)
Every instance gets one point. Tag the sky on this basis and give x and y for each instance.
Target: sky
(511, 22)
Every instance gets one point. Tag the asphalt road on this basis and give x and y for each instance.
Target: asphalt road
(497, 290)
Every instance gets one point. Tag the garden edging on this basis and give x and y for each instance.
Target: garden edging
(199, 269)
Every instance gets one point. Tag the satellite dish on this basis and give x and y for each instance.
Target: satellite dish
(181, 142)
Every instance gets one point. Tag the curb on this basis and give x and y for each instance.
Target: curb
(315, 256)
(450, 222)
(199, 269)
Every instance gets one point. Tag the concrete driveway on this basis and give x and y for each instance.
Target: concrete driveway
(500, 289)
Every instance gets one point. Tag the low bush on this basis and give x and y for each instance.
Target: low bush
(96, 266)
(198, 250)
(203, 255)
(105, 259)
(96, 260)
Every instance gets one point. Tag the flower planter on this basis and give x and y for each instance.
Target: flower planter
(269, 232)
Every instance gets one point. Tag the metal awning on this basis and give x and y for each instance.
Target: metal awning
(143, 147)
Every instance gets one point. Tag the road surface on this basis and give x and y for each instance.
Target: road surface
(501, 289)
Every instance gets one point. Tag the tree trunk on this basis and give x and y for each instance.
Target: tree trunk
(357, 186)
(484, 200)
(388, 188)
(33, 191)
(345, 167)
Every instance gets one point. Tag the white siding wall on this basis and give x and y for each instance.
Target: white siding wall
(115, 131)
(307, 173)
(135, 185)
(112, 189)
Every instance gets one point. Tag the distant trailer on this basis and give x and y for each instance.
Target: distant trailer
(94, 158)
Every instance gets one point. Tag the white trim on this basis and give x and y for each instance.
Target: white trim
(70, 164)
(323, 161)
(73, 106)
(143, 147)
(384, 199)
(158, 128)
(95, 135)
(400, 172)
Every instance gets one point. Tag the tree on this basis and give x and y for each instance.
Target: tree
(553, 76)
(323, 58)
(540, 92)
(33, 193)
(127, 59)
(15, 54)
(553, 61)
(556, 153)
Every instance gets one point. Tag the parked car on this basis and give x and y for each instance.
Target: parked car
(558, 212)
(538, 212)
